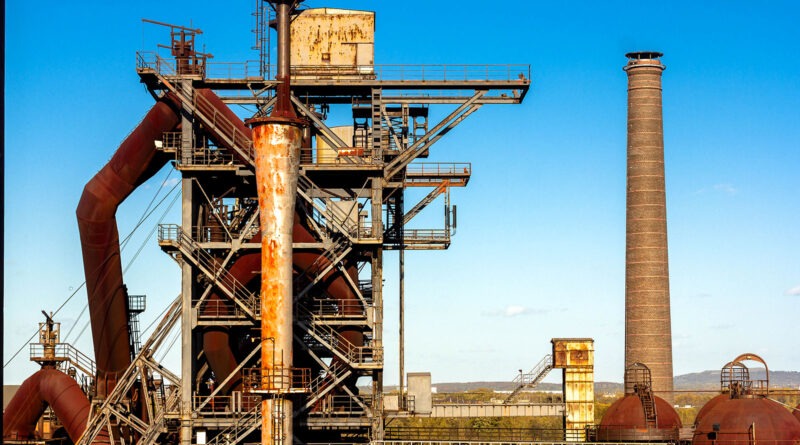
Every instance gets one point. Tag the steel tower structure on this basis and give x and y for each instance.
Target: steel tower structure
(350, 209)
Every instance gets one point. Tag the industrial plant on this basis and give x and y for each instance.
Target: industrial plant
(284, 224)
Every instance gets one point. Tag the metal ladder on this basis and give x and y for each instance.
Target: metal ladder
(648, 404)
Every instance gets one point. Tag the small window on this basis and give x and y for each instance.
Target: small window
(326, 57)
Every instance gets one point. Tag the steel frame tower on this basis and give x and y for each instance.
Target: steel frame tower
(350, 211)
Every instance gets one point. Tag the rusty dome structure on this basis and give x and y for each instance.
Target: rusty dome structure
(639, 416)
(743, 413)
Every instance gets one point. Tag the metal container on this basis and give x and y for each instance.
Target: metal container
(333, 42)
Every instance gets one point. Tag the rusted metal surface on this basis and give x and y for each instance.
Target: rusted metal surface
(325, 39)
(648, 332)
(216, 339)
(746, 421)
(283, 106)
(576, 357)
(133, 163)
(625, 421)
(276, 145)
(58, 390)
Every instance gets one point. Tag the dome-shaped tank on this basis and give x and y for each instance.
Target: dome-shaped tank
(738, 421)
(796, 412)
(625, 420)
(709, 405)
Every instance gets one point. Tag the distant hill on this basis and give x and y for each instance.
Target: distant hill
(695, 381)
(710, 379)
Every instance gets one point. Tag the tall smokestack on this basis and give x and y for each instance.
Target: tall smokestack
(648, 332)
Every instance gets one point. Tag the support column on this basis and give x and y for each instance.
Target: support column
(187, 319)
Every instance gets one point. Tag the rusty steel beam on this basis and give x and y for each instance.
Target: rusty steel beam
(648, 332)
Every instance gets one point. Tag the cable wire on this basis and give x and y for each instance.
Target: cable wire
(144, 217)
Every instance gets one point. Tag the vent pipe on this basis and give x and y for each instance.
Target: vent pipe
(276, 143)
(648, 332)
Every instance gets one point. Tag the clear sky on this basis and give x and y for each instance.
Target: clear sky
(540, 248)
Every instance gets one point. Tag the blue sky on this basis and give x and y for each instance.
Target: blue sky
(539, 251)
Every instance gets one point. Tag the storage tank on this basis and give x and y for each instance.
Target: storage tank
(744, 414)
(640, 416)
(746, 420)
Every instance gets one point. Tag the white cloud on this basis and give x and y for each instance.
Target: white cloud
(513, 310)
(793, 291)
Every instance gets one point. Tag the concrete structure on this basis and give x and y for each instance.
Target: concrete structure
(419, 388)
(648, 330)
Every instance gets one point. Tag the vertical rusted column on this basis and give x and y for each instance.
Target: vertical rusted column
(648, 332)
(277, 144)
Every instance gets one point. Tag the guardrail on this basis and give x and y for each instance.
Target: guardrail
(278, 380)
(65, 352)
(439, 169)
(151, 60)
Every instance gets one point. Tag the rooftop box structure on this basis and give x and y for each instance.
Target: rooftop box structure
(333, 43)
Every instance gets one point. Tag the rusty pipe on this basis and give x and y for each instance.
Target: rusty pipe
(216, 339)
(276, 143)
(135, 161)
(61, 392)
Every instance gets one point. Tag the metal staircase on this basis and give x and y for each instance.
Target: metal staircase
(360, 357)
(110, 411)
(170, 237)
(136, 305)
(244, 425)
(215, 122)
(531, 378)
(441, 188)
(324, 383)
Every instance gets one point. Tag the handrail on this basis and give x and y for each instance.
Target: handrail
(333, 340)
(66, 352)
(439, 169)
(244, 425)
(531, 378)
(218, 121)
(520, 73)
(172, 233)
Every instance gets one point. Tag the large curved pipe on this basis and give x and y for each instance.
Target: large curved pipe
(52, 387)
(216, 339)
(133, 163)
